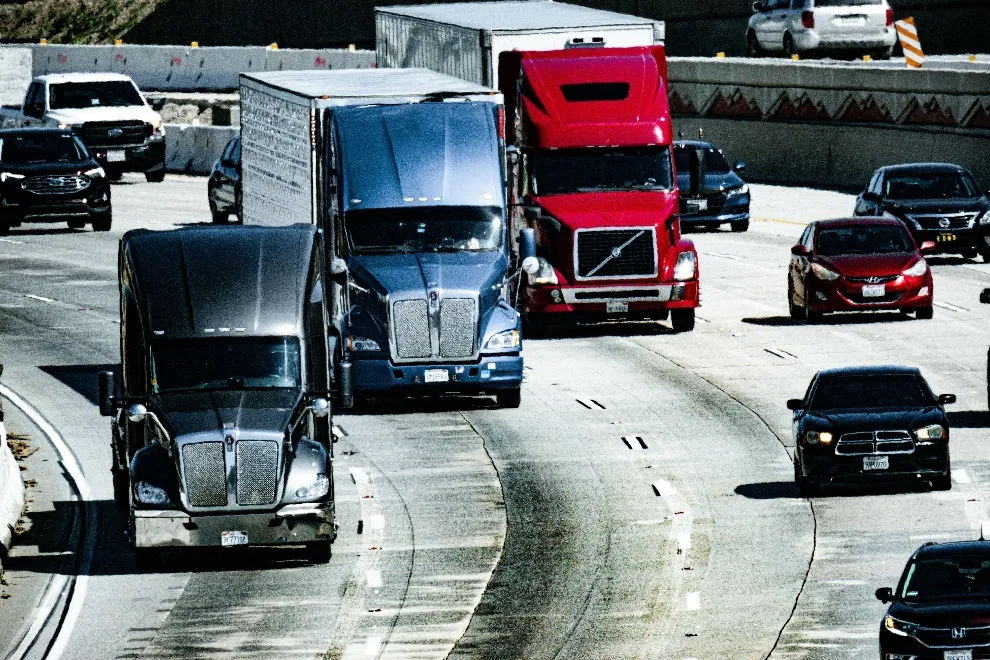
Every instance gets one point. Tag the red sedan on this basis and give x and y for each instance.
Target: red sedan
(858, 264)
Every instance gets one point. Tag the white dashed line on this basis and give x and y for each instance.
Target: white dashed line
(372, 646)
(376, 521)
(684, 541)
(960, 476)
(10, 240)
(724, 256)
(39, 298)
(693, 599)
(375, 579)
(783, 355)
(359, 476)
(950, 307)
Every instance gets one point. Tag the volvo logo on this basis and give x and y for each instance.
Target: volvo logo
(944, 223)
(616, 252)
(958, 633)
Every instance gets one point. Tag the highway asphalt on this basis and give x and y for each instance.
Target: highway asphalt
(640, 502)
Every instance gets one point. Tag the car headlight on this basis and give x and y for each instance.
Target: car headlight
(985, 218)
(545, 274)
(736, 192)
(898, 627)
(686, 266)
(918, 269)
(157, 127)
(149, 494)
(355, 343)
(95, 173)
(823, 273)
(815, 437)
(10, 176)
(503, 340)
(319, 488)
(932, 432)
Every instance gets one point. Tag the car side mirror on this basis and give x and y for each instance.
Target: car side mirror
(320, 407)
(871, 197)
(927, 246)
(795, 404)
(885, 595)
(739, 166)
(338, 271)
(799, 250)
(946, 398)
(107, 387)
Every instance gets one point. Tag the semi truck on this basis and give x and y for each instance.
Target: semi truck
(403, 172)
(589, 135)
(221, 432)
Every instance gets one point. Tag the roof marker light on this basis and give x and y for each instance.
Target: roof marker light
(407, 199)
(209, 330)
(355, 201)
(159, 333)
(240, 329)
(224, 329)
(423, 199)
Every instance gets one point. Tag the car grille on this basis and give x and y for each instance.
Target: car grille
(716, 203)
(616, 253)
(862, 443)
(413, 332)
(114, 133)
(205, 473)
(873, 279)
(411, 326)
(257, 470)
(942, 637)
(457, 327)
(55, 185)
(934, 220)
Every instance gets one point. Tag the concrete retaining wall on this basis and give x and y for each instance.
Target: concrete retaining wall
(15, 74)
(193, 149)
(11, 491)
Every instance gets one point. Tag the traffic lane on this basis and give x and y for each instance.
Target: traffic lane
(626, 535)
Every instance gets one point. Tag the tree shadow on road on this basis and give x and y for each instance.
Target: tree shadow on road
(780, 490)
(858, 318)
(418, 405)
(969, 419)
(603, 329)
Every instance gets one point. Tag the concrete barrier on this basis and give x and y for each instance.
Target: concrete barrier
(11, 491)
(15, 75)
(193, 149)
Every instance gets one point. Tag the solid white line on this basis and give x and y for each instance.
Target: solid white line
(375, 579)
(960, 476)
(684, 541)
(41, 298)
(949, 306)
(781, 354)
(10, 240)
(693, 600)
(372, 646)
(724, 256)
(77, 481)
(376, 521)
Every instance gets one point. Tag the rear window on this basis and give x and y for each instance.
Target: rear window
(872, 391)
(846, 3)
(614, 91)
(868, 239)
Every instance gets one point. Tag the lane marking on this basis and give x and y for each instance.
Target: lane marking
(372, 646)
(359, 476)
(684, 541)
(377, 521)
(74, 586)
(783, 355)
(724, 256)
(10, 240)
(39, 298)
(950, 306)
(375, 579)
(960, 476)
(693, 600)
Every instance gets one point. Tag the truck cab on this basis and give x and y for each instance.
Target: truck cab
(221, 432)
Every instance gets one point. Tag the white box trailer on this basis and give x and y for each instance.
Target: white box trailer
(464, 39)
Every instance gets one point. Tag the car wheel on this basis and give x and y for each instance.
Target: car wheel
(924, 313)
(807, 487)
(789, 45)
(810, 315)
(682, 320)
(942, 482)
(318, 552)
(102, 223)
(76, 224)
(509, 398)
(753, 45)
(740, 226)
(985, 255)
(968, 254)
(796, 312)
(883, 53)
(155, 176)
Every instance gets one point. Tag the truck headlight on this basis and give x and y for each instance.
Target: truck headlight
(157, 127)
(918, 269)
(823, 273)
(545, 274)
(10, 176)
(319, 488)
(503, 340)
(814, 437)
(149, 494)
(686, 266)
(932, 432)
(355, 343)
(736, 192)
(95, 173)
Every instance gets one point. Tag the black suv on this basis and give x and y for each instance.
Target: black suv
(939, 203)
(941, 607)
(868, 424)
(48, 175)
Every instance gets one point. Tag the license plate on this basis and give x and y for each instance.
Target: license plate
(959, 654)
(850, 20)
(945, 238)
(616, 306)
(228, 539)
(697, 204)
(436, 376)
(876, 462)
(874, 290)
(116, 156)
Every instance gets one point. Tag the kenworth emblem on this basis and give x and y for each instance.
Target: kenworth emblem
(958, 633)
(944, 223)
(115, 132)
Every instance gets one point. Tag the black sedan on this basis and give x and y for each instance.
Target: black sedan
(712, 194)
(865, 424)
(48, 175)
(940, 203)
(224, 185)
(941, 606)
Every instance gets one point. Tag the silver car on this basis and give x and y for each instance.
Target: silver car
(814, 26)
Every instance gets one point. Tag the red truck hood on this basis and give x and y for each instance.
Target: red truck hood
(867, 265)
(611, 209)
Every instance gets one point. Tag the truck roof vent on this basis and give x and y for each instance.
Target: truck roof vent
(610, 91)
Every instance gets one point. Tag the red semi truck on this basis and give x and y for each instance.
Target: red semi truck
(589, 129)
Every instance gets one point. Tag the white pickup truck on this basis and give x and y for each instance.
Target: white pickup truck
(108, 113)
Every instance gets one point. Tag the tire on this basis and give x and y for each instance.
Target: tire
(155, 176)
(810, 316)
(807, 487)
(796, 312)
(789, 45)
(102, 223)
(318, 552)
(968, 254)
(753, 45)
(682, 320)
(924, 313)
(114, 175)
(883, 53)
(148, 560)
(985, 254)
(76, 224)
(509, 398)
(4, 228)
(121, 490)
(220, 217)
(942, 482)
(739, 227)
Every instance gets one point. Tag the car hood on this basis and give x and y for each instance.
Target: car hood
(198, 412)
(950, 205)
(74, 116)
(714, 183)
(32, 169)
(944, 614)
(868, 420)
(866, 265)
(610, 209)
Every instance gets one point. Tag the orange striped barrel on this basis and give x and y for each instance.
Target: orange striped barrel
(908, 35)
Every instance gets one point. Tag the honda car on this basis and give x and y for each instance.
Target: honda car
(858, 264)
(711, 192)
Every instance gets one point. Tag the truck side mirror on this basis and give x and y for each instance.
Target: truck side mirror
(338, 271)
(527, 250)
(320, 407)
(107, 387)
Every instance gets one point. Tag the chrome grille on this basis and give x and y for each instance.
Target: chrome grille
(114, 133)
(257, 470)
(862, 443)
(205, 474)
(716, 201)
(874, 279)
(934, 220)
(612, 253)
(55, 185)
(457, 327)
(411, 328)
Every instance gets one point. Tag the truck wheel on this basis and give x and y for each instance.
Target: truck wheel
(508, 398)
(682, 320)
(318, 552)
(155, 176)
(148, 560)
(942, 482)
(114, 175)
(789, 48)
(102, 223)
(121, 489)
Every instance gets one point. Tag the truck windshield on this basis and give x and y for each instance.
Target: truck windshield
(561, 171)
(215, 363)
(94, 94)
(41, 148)
(425, 229)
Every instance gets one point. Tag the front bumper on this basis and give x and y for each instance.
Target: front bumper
(816, 40)
(21, 206)
(137, 158)
(952, 241)
(292, 524)
(845, 296)
(488, 374)
(825, 464)
(613, 301)
(720, 218)
(896, 646)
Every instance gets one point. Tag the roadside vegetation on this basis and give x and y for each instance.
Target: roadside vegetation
(72, 21)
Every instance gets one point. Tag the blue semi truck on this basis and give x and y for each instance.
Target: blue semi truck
(403, 170)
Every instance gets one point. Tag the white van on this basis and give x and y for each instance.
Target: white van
(807, 27)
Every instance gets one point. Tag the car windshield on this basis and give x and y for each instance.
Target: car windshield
(714, 161)
(425, 229)
(41, 148)
(862, 239)
(106, 93)
(963, 577)
(929, 185)
(872, 391)
(217, 363)
(583, 170)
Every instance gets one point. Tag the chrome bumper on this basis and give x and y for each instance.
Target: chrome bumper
(292, 524)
